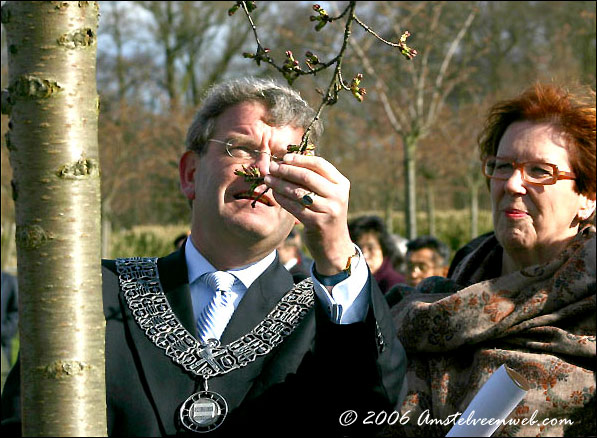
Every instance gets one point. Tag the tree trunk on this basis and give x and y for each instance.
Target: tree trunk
(410, 213)
(474, 210)
(431, 208)
(170, 52)
(389, 211)
(106, 230)
(53, 105)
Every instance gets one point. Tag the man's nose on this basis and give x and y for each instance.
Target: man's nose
(262, 162)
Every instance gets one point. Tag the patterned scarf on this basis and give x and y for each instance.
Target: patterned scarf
(540, 321)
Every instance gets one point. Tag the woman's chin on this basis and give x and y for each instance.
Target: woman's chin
(515, 239)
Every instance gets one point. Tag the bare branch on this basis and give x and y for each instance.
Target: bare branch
(380, 86)
(438, 98)
(291, 69)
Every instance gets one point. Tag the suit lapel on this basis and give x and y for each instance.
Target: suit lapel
(174, 278)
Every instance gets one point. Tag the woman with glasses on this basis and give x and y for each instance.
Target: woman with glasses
(523, 295)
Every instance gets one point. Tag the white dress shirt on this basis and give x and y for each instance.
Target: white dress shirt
(347, 303)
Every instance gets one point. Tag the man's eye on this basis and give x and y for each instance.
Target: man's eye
(240, 151)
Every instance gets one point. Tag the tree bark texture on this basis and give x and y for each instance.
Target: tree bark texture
(410, 207)
(474, 191)
(430, 192)
(53, 106)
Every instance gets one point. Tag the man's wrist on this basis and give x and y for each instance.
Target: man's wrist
(332, 280)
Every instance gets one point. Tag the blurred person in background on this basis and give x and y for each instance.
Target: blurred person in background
(399, 253)
(293, 258)
(426, 256)
(181, 239)
(370, 234)
(524, 295)
(10, 313)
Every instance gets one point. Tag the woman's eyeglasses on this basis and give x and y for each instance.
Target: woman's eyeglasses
(533, 172)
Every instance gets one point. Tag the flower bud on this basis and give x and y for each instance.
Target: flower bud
(251, 6)
(232, 10)
(320, 25)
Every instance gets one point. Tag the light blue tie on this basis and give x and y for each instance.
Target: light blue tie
(215, 316)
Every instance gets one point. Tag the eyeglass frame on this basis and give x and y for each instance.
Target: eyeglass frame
(557, 173)
(251, 151)
(413, 267)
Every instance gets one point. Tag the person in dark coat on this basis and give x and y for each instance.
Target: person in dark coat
(187, 353)
(10, 313)
(293, 258)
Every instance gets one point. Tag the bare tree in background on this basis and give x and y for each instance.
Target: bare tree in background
(196, 35)
(414, 94)
(53, 106)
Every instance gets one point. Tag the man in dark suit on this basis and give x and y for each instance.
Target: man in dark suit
(10, 313)
(276, 359)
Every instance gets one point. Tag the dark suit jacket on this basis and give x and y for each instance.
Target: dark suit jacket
(10, 312)
(293, 390)
(302, 269)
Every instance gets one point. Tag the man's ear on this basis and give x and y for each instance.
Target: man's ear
(186, 170)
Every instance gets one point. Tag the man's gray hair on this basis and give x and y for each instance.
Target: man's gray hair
(285, 107)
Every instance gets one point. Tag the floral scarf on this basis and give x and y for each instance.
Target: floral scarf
(540, 321)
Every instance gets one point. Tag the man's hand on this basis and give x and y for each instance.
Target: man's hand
(325, 219)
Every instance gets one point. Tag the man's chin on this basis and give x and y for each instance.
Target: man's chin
(260, 222)
(252, 226)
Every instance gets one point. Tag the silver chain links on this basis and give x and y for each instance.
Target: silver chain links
(139, 281)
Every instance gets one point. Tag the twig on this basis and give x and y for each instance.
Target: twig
(291, 69)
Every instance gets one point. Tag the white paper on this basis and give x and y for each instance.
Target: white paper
(492, 404)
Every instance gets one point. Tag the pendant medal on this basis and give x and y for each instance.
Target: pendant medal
(203, 412)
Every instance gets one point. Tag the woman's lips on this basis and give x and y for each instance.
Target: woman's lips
(514, 213)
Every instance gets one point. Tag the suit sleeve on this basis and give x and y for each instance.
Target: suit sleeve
(11, 402)
(11, 322)
(365, 363)
(358, 367)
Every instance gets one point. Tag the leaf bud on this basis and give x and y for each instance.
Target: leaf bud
(251, 6)
(233, 9)
(320, 25)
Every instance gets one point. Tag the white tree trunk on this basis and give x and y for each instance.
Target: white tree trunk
(53, 105)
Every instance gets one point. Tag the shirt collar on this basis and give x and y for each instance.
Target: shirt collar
(291, 263)
(198, 265)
